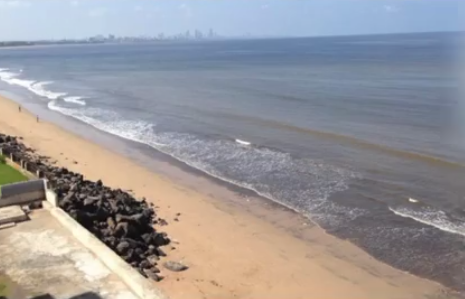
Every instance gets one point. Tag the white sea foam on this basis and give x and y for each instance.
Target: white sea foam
(432, 217)
(243, 142)
(40, 89)
(75, 100)
(36, 87)
(6, 75)
(109, 122)
(299, 184)
(19, 82)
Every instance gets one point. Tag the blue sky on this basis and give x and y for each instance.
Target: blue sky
(37, 19)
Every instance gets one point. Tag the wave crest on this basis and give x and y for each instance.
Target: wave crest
(36, 87)
(432, 217)
(75, 100)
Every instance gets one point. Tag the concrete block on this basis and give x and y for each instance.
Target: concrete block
(22, 193)
(12, 214)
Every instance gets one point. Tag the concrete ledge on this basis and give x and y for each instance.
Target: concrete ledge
(12, 214)
(50, 196)
(141, 286)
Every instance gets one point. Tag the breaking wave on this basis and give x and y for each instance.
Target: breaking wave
(36, 87)
(432, 217)
(75, 100)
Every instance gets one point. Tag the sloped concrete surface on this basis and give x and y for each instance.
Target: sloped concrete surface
(44, 259)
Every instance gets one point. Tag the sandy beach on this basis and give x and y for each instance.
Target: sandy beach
(231, 252)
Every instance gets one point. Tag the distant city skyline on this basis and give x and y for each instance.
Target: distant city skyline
(113, 38)
(196, 35)
(78, 19)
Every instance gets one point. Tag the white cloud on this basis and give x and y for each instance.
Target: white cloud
(390, 9)
(75, 3)
(15, 4)
(97, 12)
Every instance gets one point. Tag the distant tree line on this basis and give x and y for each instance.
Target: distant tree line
(15, 44)
(46, 42)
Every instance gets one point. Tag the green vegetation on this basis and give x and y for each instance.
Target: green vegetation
(4, 287)
(9, 289)
(10, 175)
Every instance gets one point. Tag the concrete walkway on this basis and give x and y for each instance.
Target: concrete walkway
(46, 262)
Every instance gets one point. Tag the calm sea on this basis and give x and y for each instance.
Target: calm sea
(360, 134)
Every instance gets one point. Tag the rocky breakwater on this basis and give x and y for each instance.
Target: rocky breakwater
(124, 224)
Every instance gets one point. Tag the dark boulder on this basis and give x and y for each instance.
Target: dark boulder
(149, 273)
(123, 247)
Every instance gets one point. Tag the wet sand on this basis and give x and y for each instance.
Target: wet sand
(232, 252)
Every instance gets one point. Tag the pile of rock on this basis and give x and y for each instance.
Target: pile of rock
(119, 220)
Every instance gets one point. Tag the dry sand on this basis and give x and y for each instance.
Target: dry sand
(231, 253)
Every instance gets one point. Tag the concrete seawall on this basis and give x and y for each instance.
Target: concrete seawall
(26, 192)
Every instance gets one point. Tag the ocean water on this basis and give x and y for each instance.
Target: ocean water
(359, 134)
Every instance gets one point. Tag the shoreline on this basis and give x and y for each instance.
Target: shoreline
(254, 259)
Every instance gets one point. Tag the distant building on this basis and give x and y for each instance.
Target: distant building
(198, 34)
(97, 39)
